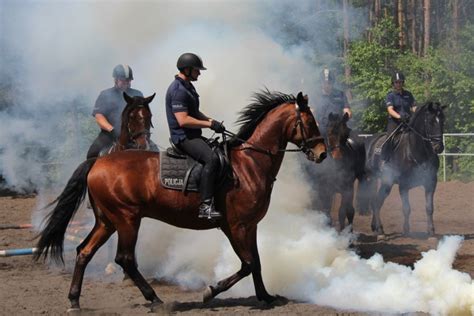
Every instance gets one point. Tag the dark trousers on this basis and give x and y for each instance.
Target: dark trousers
(391, 126)
(102, 141)
(198, 149)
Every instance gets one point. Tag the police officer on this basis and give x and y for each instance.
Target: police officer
(185, 122)
(400, 103)
(108, 109)
(330, 100)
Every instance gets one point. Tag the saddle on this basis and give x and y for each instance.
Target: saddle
(179, 171)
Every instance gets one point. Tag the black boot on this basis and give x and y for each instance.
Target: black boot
(207, 210)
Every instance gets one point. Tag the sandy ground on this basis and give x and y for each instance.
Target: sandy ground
(36, 288)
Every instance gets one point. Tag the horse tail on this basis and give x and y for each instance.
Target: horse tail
(52, 236)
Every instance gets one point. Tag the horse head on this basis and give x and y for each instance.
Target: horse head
(429, 122)
(305, 133)
(337, 134)
(136, 121)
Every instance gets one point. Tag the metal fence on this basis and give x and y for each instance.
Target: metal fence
(444, 153)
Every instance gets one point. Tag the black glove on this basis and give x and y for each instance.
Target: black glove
(110, 134)
(405, 117)
(217, 127)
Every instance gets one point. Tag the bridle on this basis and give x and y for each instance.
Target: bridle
(431, 138)
(145, 131)
(304, 146)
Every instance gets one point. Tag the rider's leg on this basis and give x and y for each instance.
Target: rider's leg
(200, 151)
(103, 140)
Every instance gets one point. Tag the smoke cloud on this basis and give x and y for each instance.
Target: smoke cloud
(57, 56)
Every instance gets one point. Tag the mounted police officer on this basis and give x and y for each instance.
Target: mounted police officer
(329, 100)
(108, 109)
(185, 122)
(400, 103)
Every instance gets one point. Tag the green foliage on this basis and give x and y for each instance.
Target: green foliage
(445, 76)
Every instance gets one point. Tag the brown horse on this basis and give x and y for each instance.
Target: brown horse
(136, 124)
(125, 187)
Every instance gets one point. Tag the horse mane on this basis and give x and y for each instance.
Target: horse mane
(262, 102)
(419, 113)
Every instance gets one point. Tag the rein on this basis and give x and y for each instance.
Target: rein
(301, 148)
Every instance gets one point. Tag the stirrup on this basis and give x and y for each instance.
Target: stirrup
(207, 210)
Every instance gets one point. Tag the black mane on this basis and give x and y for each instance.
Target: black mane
(421, 112)
(263, 102)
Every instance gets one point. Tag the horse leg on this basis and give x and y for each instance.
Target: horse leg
(85, 251)
(382, 194)
(127, 240)
(244, 242)
(429, 194)
(347, 208)
(406, 208)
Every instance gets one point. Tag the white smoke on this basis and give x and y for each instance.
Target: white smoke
(59, 53)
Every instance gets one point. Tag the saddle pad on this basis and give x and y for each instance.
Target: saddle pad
(180, 174)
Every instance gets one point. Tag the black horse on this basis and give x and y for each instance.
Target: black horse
(337, 174)
(413, 161)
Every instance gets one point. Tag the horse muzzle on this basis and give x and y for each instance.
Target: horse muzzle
(438, 148)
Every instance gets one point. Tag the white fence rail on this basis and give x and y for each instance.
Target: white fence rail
(444, 153)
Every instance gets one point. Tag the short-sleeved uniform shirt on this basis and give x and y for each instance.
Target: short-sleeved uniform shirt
(334, 102)
(401, 102)
(181, 97)
(111, 103)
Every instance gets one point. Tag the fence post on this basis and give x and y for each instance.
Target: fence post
(444, 160)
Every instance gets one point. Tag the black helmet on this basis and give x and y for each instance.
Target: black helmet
(327, 75)
(397, 76)
(123, 72)
(190, 60)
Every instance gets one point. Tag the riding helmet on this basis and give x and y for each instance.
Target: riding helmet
(397, 76)
(327, 75)
(123, 72)
(190, 60)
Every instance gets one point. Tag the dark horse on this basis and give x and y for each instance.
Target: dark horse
(125, 187)
(413, 162)
(345, 164)
(136, 125)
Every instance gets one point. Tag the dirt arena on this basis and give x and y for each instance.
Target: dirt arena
(35, 288)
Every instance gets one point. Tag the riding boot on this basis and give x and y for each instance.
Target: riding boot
(207, 210)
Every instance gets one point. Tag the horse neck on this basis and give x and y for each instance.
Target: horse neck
(269, 135)
(418, 147)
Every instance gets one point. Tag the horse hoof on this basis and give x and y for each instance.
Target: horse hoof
(207, 295)
(162, 308)
(73, 310)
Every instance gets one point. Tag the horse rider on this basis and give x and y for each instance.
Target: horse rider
(108, 109)
(330, 100)
(185, 122)
(400, 104)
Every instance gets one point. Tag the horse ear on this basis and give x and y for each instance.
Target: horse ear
(430, 106)
(302, 101)
(444, 107)
(127, 98)
(150, 98)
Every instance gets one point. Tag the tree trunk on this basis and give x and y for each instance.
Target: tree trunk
(377, 10)
(412, 23)
(401, 24)
(347, 68)
(455, 23)
(426, 24)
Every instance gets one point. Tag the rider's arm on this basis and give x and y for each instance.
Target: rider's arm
(391, 111)
(185, 120)
(103, 122)
(347, 108)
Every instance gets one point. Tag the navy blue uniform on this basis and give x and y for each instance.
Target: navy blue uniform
(181, 97)
(110, 103)
(334, 103)
(402, 104)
